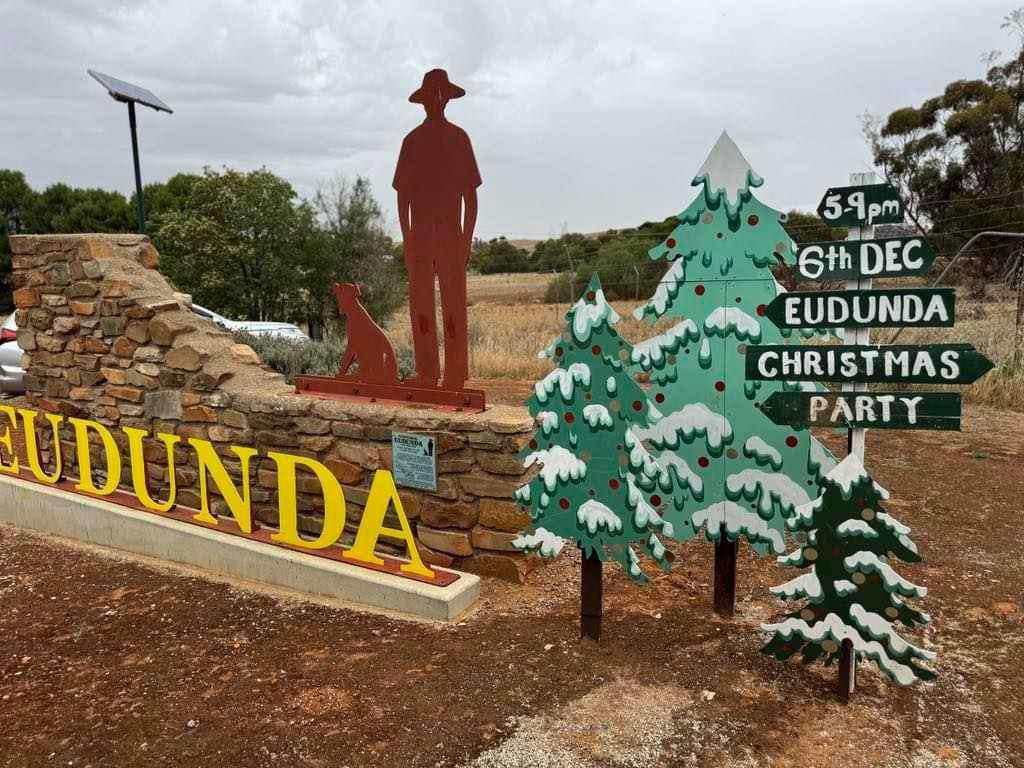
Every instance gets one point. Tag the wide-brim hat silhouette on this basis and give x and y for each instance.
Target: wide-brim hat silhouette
(436, 80)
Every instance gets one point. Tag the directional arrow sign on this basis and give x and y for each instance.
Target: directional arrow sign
(879, 410)
(861, 206)
(934, 364)
(854, 259)
(889, 308)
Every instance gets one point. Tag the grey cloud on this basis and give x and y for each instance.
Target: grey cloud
(596, 114)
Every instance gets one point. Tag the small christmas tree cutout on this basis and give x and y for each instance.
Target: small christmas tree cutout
(852, 591)
(597, 485)
(745, 473)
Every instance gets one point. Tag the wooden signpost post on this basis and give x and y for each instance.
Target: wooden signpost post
(890, 308)
(852, 259)
(879, 410)
(856, 363)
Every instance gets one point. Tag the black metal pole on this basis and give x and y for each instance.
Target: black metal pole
(591, 597)
(138, 172)
(725, 575)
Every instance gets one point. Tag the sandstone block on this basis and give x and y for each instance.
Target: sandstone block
(450, 542)
(165, 404)
(501, 463)
(449, 514)
(82, 307)
(509, 567)
(184, 359)
(503, 515)
(131, 394)
(485, 538)
(117, 376)
(26, 297)
(480, 484)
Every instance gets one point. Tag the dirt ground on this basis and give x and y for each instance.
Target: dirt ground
(107, 662)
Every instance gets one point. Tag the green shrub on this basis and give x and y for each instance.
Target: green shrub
(318, 358)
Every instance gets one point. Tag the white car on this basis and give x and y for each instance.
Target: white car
(11, 374)
(255, 327)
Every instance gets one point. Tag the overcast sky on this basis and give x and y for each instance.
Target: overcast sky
(585, 114)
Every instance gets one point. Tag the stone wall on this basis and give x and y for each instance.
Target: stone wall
(107, 338)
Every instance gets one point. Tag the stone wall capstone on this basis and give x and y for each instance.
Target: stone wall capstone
(106, 337)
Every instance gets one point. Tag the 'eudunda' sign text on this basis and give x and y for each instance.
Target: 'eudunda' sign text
(382, 496)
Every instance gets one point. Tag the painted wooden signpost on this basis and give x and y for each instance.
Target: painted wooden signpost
(930, 364)
(853, 259)
(851, 609)
(889, 308)
(861, 205)
(879, 410)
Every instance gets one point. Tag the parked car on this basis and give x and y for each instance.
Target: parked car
(12, 377)
(256, 328)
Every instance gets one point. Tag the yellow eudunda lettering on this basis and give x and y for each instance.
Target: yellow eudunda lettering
(383, 493)
(7, 440)
(334, 502)
(28, 418)
(239, 504)
(138, 467)
(110, 452)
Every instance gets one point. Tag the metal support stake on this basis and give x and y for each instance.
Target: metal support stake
(591, 589)
(138, 171)
(725, 575)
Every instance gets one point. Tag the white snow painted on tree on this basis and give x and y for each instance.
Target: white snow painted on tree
(795, 558)
(726, 171)
(773, 486)
(523, 493)
(549, 350)
(820, 457)
(844, 587)
(726, 320)
(650, 352)
(690, 420)
(762, 452)
(687, 476)
(588, 317)
(833, 627)
(869, 562)
(639, 457)
(737, 520)
(804, 514)
(899, 529)
(850, 472)
(656, 547)
(634, 563)
(611, 386)
(594, 515)
(557, 464)
(880, 628)
(548, 421)
(542, 541)
(565, 380)
(597, 415)
(705, 349)
(805, 585)
(644, 514)
(668, 286)
(856, 528)
(803, 386)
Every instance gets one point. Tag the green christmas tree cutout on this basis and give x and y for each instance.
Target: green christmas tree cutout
(739, 473)
(852, 591)
(596, 485)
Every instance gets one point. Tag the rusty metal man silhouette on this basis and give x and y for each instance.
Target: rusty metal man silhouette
(436, 181)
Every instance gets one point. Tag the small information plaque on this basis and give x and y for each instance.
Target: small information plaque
(414, 461)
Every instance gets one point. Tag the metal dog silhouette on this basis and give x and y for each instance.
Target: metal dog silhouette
(368, 346)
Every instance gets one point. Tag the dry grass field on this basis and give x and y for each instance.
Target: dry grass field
(509, 324)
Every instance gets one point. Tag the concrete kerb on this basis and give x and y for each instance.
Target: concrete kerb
(94, 521)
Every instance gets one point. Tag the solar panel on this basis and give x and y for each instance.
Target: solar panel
(122, 91)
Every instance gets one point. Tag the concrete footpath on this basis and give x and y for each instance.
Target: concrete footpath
(50, 510)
